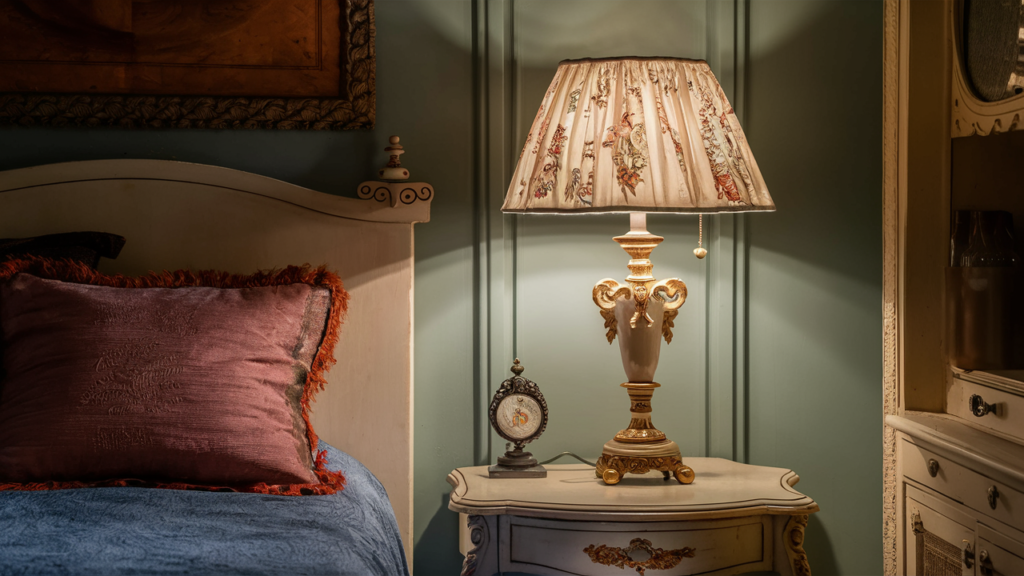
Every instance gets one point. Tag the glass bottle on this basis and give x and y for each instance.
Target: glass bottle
(985, 247)
(1005, 244)
(960, 236)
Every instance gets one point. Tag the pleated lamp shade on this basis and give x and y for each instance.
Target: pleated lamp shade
(636, 135)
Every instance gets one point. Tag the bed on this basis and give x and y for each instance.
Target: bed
(179, 215)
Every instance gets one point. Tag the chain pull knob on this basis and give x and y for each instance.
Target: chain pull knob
(993, 497)
(700, 252)
(933, 467)
(979, 407)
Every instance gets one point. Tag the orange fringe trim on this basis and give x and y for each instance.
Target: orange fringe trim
(67, 270)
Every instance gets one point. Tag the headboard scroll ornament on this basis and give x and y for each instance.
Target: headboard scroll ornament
(393, 188)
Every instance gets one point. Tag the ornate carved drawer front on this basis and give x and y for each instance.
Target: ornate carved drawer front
(648, 548)
(981, 405)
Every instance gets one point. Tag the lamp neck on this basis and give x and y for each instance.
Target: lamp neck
(638, 222)
(639, 243)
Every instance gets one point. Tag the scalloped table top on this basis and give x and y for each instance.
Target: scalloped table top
(722, 489)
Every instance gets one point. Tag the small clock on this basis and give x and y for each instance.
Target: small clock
(518, 414)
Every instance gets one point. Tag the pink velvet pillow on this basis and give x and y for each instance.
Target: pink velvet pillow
(177, 380)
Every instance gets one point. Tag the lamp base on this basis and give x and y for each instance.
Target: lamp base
(641, 447)
(619, 458)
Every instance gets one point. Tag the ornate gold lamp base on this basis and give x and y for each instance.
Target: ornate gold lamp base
(641, 447)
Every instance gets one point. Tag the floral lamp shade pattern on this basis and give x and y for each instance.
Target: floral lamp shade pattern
(636, 135)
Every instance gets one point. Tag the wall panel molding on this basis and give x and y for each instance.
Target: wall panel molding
(726, 285)
(495, 250)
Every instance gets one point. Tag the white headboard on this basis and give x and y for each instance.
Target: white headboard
(179, 215)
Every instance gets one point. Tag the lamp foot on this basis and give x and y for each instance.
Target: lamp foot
(611, 469)
(619, 459)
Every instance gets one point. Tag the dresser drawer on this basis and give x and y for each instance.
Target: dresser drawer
(982, 494)
(665, 549)
(936, 472)
(998, 553)
(996, 560)
(1007, 416)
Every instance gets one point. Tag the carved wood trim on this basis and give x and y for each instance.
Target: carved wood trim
(356, 111)
(480, 536)
(394, 192)
(890, 294)
(971, 115)
(793, 538)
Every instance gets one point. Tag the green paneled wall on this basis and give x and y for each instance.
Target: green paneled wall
(815, 329)
(777, 356)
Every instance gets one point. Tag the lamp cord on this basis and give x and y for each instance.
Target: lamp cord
(700, 230)
(587, 462)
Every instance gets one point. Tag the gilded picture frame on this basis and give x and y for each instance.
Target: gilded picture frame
(353, 108)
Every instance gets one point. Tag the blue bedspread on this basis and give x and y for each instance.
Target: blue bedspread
(113, 531)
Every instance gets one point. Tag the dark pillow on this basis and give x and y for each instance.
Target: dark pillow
(84, 247)
(180, 379)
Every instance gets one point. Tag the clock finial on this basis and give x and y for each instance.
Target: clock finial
(517, 368)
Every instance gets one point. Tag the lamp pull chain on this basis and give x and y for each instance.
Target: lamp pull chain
(699, 251)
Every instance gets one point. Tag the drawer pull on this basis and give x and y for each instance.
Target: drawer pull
(968, 554)
(933, 467)
(993, 497)
(979, 407)
(985, 564)
(654, 558)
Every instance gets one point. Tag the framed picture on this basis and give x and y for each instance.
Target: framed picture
(284, 64)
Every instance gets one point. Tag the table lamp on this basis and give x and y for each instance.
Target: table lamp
(637, 135)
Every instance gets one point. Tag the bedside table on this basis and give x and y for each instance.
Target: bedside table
(734, 518)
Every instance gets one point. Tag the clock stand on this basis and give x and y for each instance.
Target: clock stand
(516, 463)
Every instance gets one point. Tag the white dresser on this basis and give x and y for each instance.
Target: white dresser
(953, 444)
(733, 518)
(962, 480)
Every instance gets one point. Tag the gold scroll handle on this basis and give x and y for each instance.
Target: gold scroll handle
(607, 291)
(653, 558)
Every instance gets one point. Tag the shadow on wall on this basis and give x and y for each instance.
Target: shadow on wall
(437, 544)
(818, 546)
(813, 115)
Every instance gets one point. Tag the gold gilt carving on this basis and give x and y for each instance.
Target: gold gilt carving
(668, 324)
(655, 558)
(607, 291)
(793, 538)
(641, 429)
(637, 433)
(612, 468)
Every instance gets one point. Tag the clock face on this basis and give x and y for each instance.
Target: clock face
(519, 416)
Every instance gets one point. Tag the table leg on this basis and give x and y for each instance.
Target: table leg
(793, 539)
(482, 558)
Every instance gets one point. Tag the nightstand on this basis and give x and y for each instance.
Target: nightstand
(734, 518)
